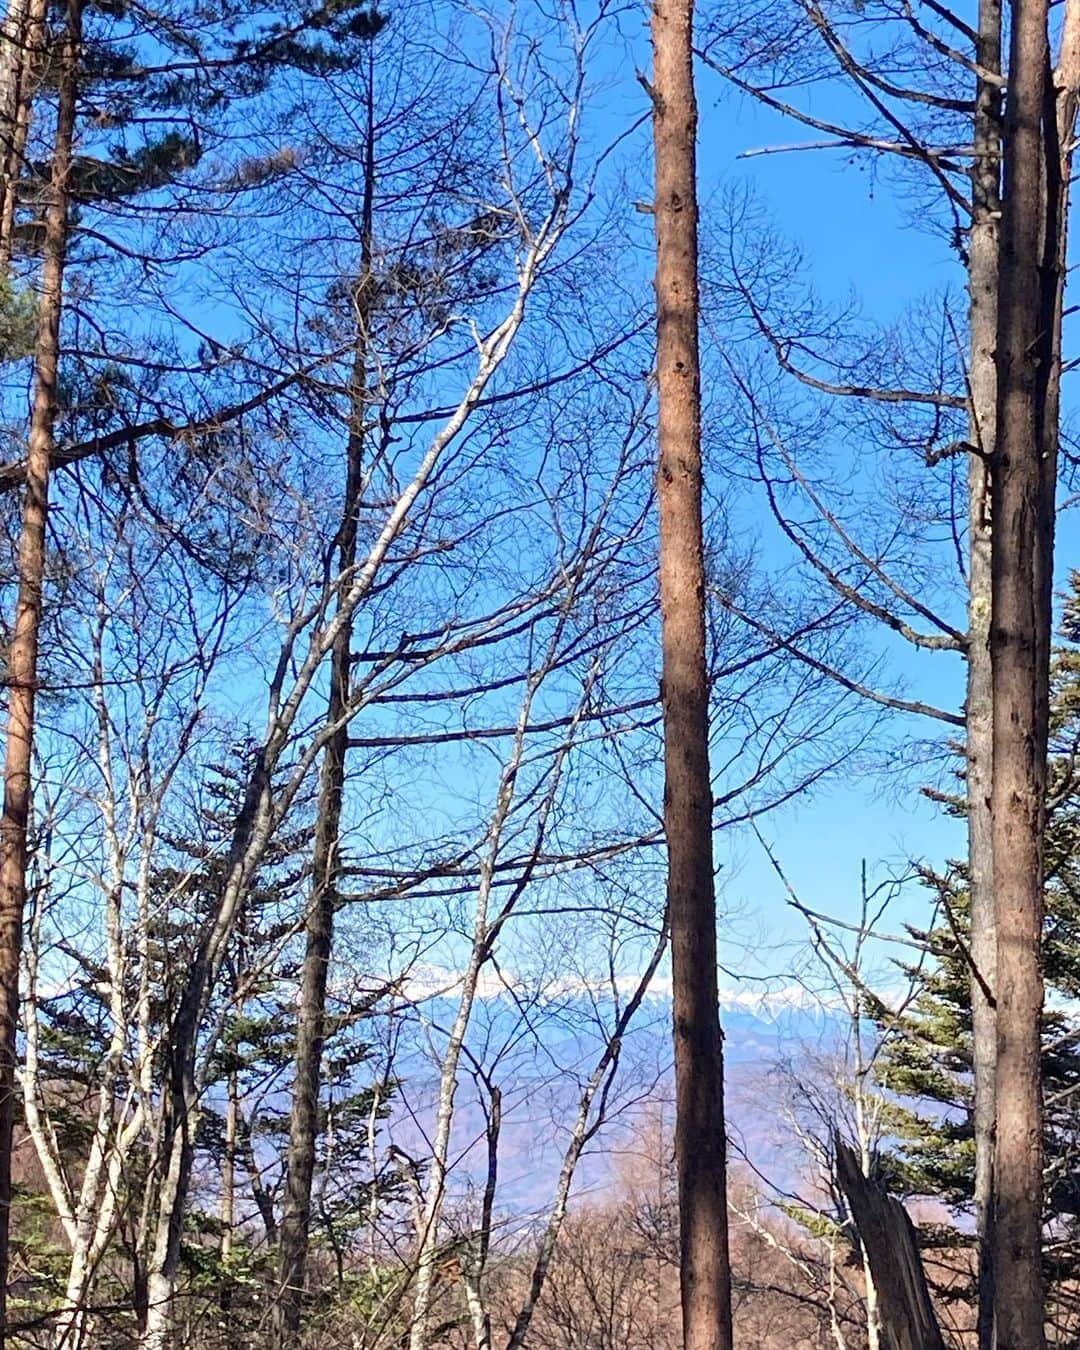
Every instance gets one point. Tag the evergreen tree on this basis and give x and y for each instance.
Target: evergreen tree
(228, 1260)
(925, 1069)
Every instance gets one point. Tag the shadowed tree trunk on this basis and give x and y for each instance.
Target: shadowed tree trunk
(1039, 134)
(1023, 485)
(700, 1145)
(23, 35)
(887, 1235)
(22, 660)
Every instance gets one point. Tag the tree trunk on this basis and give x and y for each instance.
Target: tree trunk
(228, 1198)
(319, 931)
(23, 35)
(1039, 140)
(228, 1167)
(13, 61)
(319, 925)
(866, 1132)
(157, 1330)
(23, 652)
(887, 1235)
(978, 706)
(700, 1145)
(264, 807)
(1022, 487)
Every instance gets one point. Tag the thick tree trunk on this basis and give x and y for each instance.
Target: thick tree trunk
(1023, 485)
(982, 394)
(23, 652)
(319, 925)
(699, 1131)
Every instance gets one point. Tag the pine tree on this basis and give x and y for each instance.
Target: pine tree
(125, 95)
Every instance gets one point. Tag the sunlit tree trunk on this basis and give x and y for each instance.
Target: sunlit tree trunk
(23, 652)
(700, 1145)
(228, 1191)
(978, 705)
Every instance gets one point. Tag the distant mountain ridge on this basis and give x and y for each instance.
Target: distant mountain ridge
(541, 1076)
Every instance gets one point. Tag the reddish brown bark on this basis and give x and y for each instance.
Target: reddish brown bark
(23, 651)
(700, 1145)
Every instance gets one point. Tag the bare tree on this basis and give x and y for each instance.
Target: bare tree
(528, 791)
(326, 860)
(930, 120)
(108, 780)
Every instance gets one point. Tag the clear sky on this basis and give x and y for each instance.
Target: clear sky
(860, 238)
(863, 241)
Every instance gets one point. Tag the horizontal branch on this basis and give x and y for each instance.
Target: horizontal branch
(915, 706)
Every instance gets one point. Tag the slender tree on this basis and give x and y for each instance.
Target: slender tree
(23, 651)
(978, 703)
(319, 920)
(700, 1144)
(931, 106)
(20, 52)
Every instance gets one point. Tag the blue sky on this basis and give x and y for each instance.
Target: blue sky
(858, 239)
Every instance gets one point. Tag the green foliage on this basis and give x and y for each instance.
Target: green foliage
(156, 87)
(926, 1068)
(39, 1255)
(821, 1226)
(223, 1280)
(18, 320)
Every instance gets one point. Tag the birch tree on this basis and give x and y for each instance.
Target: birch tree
(310, 636)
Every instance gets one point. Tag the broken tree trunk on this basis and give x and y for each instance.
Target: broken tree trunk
(907, 1317)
